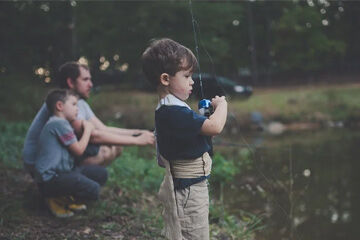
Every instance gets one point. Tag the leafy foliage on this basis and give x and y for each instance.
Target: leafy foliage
(223, 170)
(300, 31)
(11, 142)
(288, 36)
(133, 172)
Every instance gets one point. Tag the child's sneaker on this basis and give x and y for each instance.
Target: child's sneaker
(57, 207)
(75, 206)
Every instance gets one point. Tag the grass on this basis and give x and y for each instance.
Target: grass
(11, 142)
(316, 103)
(20, 98)
(128, 207)
(134, 171)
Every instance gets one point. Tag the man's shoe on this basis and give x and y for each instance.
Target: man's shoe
(57, 207)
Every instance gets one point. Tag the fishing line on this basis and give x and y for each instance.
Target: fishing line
(212, 62)
(196, 49)
(195, 26)
(246, 144)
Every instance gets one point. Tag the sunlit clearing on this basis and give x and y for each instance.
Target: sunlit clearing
(83, 60)
(307, 172)
(45, 7)
(310, 3)
(324, 2)
(124, 67)
(40, 71)
(325, 22)
(104, 66)
(346, 217)
(334, 217)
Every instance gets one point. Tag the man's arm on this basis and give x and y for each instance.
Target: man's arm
(101, 135)
(104, 137)
(216, 122)
(101, 126)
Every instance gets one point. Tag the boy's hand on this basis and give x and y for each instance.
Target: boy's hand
(216, 101)
(88, 126)
(77, 125)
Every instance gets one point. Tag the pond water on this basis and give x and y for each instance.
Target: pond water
(304, 186)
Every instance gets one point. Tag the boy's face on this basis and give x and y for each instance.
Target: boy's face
(180, 85)
(83, 83)
(70, 108)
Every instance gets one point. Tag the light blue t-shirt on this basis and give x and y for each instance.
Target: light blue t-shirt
(53, 156)
(33, 134)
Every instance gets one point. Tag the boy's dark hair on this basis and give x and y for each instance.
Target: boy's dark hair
(57, 95)
(69, 70)
(166, 56)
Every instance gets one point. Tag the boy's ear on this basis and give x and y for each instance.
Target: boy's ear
(59, 106)
(70, 83)
(164, 79)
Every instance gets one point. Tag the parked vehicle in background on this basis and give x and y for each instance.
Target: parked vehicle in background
(212, 85)
(217, 85)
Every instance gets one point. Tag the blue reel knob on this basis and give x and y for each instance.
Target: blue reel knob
(205, 107)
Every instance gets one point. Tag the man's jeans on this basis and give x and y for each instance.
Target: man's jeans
(83, 183)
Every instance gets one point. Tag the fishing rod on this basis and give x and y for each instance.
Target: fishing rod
(204, 105)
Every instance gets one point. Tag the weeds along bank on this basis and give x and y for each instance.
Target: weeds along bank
(128, 205)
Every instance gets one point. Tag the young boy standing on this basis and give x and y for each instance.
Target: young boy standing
(181, 136)
(55, 170)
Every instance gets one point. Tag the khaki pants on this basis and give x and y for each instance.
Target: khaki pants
(193, 211)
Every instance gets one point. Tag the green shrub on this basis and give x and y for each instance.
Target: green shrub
(11, 142)
(131, 171)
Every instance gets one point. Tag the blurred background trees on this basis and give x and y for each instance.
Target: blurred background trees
(257, 42)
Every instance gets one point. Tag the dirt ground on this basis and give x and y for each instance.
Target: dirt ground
(23, 215)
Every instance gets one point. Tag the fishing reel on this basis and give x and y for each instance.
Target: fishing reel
(205, 108)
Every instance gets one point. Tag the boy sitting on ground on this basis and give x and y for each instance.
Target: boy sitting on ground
(181, 136)
(60, 182)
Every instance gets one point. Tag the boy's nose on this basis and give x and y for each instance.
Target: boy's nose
(191, 81)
